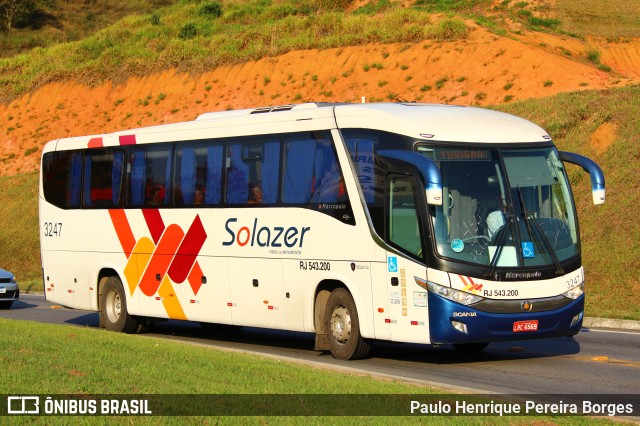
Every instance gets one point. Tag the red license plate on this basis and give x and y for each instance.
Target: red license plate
(520, 326)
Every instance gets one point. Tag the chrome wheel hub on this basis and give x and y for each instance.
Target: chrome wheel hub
(114, 306)
(341, 324)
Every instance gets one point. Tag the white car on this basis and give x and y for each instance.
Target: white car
(9, 291)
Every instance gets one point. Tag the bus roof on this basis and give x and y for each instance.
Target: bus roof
(446, 123)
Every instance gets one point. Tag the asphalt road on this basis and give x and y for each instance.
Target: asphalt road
(596, 361)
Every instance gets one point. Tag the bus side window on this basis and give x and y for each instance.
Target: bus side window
(252, 165)
(312, 173)
(403, 223)
(148, 176)
(197, 177)
(62, 178)
(103, 178)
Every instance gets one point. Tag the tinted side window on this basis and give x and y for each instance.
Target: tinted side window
(148, 176)
(102, 183)
(252, 171)
(198, 174)
(403, 223)
(62, 178)
(312, 173)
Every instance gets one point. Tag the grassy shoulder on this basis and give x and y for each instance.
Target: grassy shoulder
(53, 359)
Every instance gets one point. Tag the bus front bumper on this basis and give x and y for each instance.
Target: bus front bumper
(451, 322)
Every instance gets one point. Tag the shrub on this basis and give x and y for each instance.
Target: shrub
(154, 18)
(440, 82)
(211, 9)
(188, 31)
(543, 22)
(448, 30)
(593, 56)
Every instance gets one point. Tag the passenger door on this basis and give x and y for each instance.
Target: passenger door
(408, 313)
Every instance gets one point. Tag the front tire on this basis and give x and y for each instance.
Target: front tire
(113, 308)
(343, 327)
(6, 305)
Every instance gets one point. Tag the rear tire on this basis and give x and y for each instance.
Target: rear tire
(113, 308)
(6, 305)
(343, 327)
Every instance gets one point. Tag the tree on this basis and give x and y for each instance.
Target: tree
(13, 12)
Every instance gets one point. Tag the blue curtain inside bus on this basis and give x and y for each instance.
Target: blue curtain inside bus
(167, 178)
(188, 175)
(214, 176)
(299, 170)
(116, 177)
(270, 167)
(76, 180)
(237, 177)
(327, 182)
(138, 179)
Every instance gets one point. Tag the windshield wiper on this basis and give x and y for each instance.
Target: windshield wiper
(535, 230)
(500, 238)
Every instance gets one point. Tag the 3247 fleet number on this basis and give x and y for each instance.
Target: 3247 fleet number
(52, 229)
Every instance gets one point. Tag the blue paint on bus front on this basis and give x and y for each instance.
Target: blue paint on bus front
(491, 327)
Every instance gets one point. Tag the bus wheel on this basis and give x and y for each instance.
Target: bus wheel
(470, 347)
(344, 328)
(113, 308)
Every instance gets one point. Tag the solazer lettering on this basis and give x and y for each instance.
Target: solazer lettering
(264, 236)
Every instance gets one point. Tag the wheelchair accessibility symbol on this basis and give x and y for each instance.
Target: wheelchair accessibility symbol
(392, 264)
(527, 250)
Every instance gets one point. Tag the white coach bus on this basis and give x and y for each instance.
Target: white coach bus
(415, 223)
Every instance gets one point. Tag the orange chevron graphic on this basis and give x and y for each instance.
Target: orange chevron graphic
(155, 264)
(470, 286)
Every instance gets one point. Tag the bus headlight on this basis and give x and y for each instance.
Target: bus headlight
(453, 295)
(575, 292)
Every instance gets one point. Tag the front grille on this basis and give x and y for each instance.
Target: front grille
(10, 294)
(5, 280)
(515, 306)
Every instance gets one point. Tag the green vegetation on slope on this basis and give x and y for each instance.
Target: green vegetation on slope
(41, 23)
(194, 35)
(611, 18)
(198, 35)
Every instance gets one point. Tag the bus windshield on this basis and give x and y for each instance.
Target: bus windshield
(503, 207)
